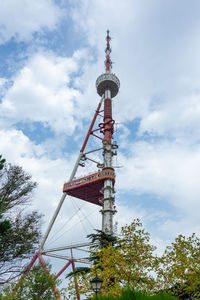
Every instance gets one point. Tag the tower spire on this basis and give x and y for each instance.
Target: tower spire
(108, 61)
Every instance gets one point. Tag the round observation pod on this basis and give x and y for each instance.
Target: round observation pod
(107, 81)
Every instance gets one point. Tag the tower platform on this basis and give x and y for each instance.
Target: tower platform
(90, 187)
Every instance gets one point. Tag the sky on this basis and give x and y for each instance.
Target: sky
(51, 53)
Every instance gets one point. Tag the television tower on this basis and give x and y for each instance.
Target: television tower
(108, 85)
(96, 188)
(90, 188)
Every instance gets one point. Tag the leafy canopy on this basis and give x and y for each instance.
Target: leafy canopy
(123, 261)
(38, 284)
(19, 227)
(130, 262)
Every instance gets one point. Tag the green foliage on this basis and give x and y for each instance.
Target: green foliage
(132, 295)
(120, 262)
(79, 271)
(2, 162)
(180, 267)
(37, 285)
(98, 239)
(19, 228)
(102, 238)
(129, 261)
(15, 187)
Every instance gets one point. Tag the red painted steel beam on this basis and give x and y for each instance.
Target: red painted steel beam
(108, 127)
(54, 288)
(24, 274)
(63, 269)
(75, 280)
(91, 126)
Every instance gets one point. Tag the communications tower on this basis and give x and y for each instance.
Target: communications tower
(107, 86)
(96, 188)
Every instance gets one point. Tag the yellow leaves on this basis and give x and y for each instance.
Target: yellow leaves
(131, 260)
(180, 265)
(127, 263)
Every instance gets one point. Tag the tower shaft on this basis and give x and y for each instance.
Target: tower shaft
(108, 86)
(108, 191)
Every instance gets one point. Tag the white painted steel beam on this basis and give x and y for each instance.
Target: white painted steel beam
(68, 258)
(85, 153)
(75, 246)
(59, 204)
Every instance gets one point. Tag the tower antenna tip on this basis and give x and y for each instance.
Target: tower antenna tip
(108, 61)
(108, 36)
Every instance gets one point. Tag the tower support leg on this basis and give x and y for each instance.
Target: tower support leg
(25, 273)
(75, 281)
(71, 177)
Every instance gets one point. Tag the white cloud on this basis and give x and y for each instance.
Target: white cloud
(41, 92)
(21, 19)
(157, 60)
(156, 51)
(2, 82)
(50, 174)
(179, 119)
(186, 226)
(168, 170)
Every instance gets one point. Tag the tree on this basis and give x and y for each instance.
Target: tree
(130, 262)
(19, 227)
(99, 240)
(125, 263)
(128, 294)
(180, 268)
(37, 285)
(2, 162)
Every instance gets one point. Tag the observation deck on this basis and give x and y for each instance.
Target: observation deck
(107, 81)
(90, 187)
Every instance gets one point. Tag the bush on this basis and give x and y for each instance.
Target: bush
(132, 295)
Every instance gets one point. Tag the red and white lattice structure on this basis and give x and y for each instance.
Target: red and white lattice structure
(96, 188)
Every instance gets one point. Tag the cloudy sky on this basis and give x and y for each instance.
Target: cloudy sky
(51, 53)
